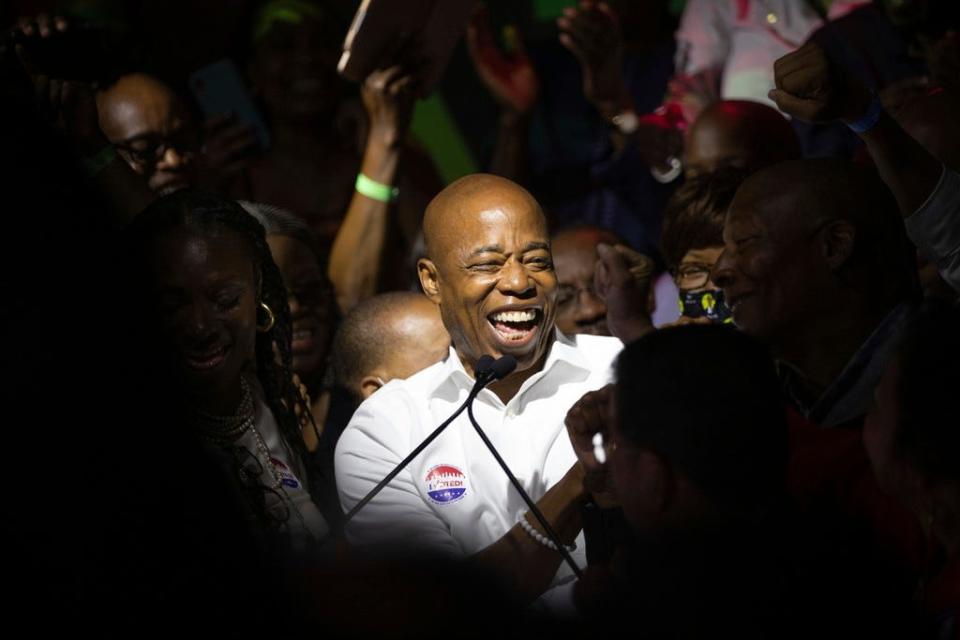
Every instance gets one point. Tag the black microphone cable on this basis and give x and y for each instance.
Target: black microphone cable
(485, 376)
(500, 369)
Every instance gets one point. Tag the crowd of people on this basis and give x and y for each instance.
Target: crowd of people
(677, 361)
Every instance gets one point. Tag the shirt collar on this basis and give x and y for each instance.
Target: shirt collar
(848, 397)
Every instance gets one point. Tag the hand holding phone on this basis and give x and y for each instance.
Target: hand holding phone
(221, 93)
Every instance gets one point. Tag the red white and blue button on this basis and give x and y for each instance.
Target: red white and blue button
(445, 484)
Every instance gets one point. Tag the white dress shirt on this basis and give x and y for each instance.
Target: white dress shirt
(454, 499)
(741, 39)
(290, 501)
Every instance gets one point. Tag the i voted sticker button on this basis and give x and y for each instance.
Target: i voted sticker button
(446, 484)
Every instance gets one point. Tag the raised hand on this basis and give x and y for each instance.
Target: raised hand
(622, 278)
(388, 96)
(587, 418)
(43, 25)
(591, 31)
(811, 88)
(69, 105)
(228, 147)
(510, 79)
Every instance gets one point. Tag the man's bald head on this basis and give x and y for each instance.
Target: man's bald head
(800, 194)
(738, 133)
(391, 335)
(803, 239)
(461, 202)
(490, 270)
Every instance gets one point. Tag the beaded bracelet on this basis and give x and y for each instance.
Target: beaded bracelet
(539, 537)
(869, 119)
(376, 190)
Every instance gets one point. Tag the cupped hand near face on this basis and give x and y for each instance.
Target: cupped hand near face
(510, 78)
(622, 278)
(585, 419)
(228, 148)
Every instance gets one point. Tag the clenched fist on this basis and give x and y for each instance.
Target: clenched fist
(810, 87)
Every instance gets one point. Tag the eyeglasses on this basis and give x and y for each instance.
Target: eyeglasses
(568, 294)
(148, 150)
(692, 275)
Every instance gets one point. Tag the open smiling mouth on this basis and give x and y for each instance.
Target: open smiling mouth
(208, 359)
(303, 340)
(515, 328)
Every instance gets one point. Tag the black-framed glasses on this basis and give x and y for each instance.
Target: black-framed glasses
(692, 275)
(568, 294)
(148, 150)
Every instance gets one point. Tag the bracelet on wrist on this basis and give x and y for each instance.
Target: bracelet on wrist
(870, 119)
(539, 537)
(376, 190)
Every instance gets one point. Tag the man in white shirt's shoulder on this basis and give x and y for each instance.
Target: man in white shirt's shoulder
(490, 270)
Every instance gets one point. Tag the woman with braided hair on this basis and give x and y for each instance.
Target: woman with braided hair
(216, 298)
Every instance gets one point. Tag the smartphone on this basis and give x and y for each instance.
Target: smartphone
(219, 89)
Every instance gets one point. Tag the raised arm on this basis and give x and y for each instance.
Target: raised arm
(591, 32)
(811, 88)
(71, 107)
(512, 82)
(357, 251)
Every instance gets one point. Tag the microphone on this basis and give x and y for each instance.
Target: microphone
(483, 366)
(486, 371)
(497, 370)
(502, 367)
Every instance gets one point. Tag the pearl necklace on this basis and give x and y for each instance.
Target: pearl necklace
(224, 430)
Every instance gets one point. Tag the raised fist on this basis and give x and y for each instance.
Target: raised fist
(813, 89)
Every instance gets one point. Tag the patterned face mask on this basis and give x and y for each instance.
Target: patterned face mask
(705, 304)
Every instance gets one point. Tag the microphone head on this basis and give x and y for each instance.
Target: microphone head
(503, 366)
(482, 368)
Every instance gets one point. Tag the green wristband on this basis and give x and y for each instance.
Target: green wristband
(94, 164)
(375, 190)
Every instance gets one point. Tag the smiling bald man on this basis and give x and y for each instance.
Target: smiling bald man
(490, 270)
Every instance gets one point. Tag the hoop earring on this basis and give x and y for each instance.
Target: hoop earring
(271, 320)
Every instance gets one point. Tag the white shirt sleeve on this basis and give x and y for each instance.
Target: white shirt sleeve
(397, 520)
(935, 227)
(703, 39)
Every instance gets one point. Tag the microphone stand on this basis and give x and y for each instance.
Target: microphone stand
(487, 370)
(526, 497)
